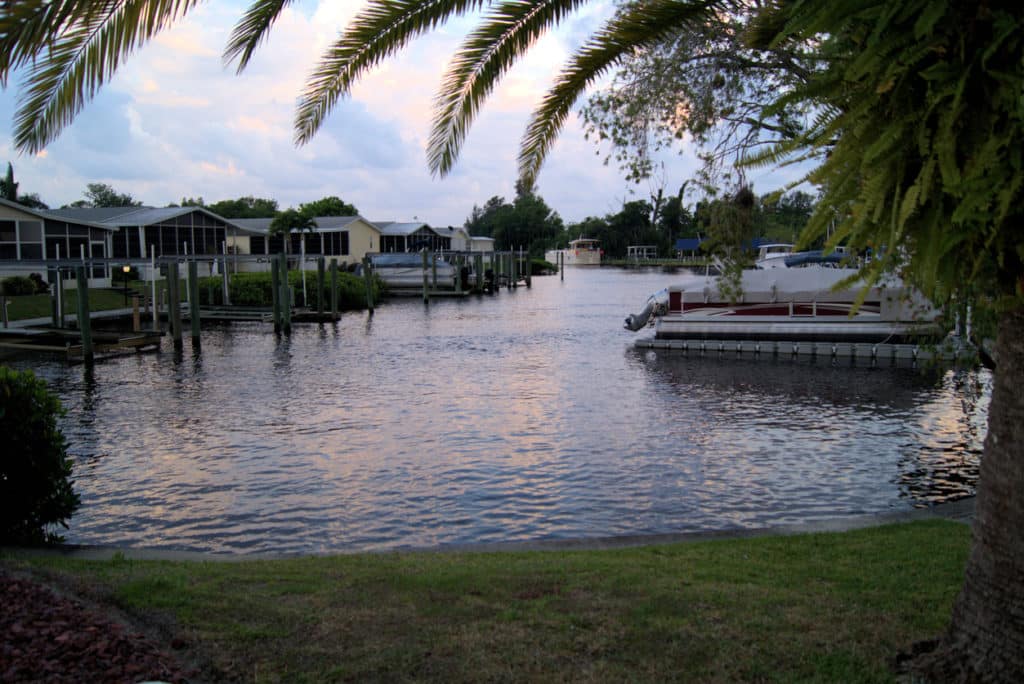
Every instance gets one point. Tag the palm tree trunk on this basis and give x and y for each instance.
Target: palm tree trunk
(985, 642)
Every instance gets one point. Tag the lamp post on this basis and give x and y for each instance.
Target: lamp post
(126, 269)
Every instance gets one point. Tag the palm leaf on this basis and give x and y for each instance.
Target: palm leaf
(636, 26)
(380, 30)
(507, 32)
(251, 30)
(73, 57)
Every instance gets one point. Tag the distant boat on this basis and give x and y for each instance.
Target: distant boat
(582, 252)
(781, 255)
(789, 304)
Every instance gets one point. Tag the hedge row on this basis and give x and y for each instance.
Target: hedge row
(254, 289)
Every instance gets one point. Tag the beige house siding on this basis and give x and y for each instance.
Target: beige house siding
(363, 238)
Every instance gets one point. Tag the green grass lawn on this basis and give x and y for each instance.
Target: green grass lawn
(38, 306)
(822, 607)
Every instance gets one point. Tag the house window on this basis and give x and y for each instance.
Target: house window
(257, 244)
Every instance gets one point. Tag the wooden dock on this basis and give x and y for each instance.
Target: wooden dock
(68, 342)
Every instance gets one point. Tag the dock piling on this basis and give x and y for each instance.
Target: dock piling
(174, 303)
(225, 283)
(275, 292)
(193, 300)
(136, 318)
(320, 287)
(426, 280)
(84, 321)
(334, 290)
(285, 297)
(368, 280)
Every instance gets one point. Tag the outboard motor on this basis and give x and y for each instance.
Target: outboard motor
(657, 305)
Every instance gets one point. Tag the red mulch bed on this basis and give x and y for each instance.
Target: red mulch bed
(48, 638)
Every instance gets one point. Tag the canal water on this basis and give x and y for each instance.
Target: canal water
(527, 415)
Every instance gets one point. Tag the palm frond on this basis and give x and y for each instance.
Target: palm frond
(637, 26)
(380, 30)
(251, 30)
(70, 60)
(28, 27)
(506, 33)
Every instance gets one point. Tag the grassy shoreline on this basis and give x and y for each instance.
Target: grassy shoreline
(830, 606)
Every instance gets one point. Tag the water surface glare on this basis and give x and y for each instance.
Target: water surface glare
(528, 415)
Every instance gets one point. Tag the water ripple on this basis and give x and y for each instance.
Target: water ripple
(526, 415)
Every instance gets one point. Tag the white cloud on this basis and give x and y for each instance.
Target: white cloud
(176, 122)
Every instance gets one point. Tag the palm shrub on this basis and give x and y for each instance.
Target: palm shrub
(36, 491)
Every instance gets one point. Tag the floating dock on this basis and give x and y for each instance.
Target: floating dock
(853, 351)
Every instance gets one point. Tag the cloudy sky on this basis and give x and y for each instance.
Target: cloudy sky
(175, 123)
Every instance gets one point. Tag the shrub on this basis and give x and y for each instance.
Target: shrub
(253, 289)
(41, 285)
(35, 490)
(18, 285)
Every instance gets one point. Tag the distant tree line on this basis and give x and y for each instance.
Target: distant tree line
(529, 223)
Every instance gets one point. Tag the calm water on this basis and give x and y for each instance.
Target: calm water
(522, 416)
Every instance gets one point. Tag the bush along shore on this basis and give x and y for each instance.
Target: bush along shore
(815, 607)
(254, 289)
(245, 289)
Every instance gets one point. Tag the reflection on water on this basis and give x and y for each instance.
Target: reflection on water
(527, 415)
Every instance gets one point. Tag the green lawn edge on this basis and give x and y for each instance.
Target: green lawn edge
(815, 607)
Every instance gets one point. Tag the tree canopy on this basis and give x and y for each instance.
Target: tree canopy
(328, 206)
(527, 222)
(103, 195)
(244, 207)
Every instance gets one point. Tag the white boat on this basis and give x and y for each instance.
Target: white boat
(582, 252)
(781, 255)
(404, 271)
(789, 304)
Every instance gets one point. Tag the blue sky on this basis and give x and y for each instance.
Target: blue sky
(175, 123)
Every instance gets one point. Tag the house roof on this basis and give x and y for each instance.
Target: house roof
(324, 224)
(688, 244)
(115, 217)
(48, 214)
(410, 227)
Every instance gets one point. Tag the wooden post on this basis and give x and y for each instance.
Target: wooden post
(152, 287)
(433, 269)
(275, 291)
(136, 319)
(84, 321)
(3, 308)
(174, 303)
(368, 281)
(285, 297)
(529, 272)
(426, 283)
(193, 286)
(334, 289)
(457, 263)
(320, 287)
(53, 275)
(478, 266)
(561, 267)
(511, 269)
(224, 275)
